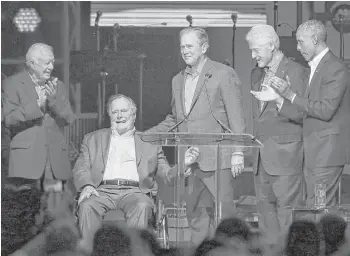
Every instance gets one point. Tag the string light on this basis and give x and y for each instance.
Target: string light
(27, 20)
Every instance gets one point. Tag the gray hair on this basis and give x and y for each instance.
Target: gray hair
(314, 27)
(201, 34)
(114, 97)
(264, 33)
(32, 53)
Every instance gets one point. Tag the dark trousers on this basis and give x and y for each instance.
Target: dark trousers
(136, 205)
(274, 193)
(200, 202)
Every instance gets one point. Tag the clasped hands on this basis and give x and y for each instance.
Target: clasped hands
(276, 90)
(49, 89)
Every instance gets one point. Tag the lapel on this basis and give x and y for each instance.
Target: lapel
(201, 80)
(105, 143)
(29, 86)
(257, 76)
(138, 148)
(181, 82)
(318, 70)
(281, 73)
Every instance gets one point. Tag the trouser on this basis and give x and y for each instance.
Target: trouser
(201, 199)
(274, 194)
(327, 175)
(136, 205)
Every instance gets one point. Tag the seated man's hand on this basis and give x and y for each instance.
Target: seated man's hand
(191, 155)
(237, 164)
(87, 192)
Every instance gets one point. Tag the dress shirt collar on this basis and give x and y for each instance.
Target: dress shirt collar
(274, 63)
(35, 80)
(194, 72)
(127, 134)
(315, 61)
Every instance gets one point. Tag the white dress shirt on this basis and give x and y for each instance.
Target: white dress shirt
(313, 65)
(121, 161)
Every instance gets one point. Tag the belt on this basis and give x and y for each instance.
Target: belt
(120, 183)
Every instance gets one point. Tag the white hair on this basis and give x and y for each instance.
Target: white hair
(314, 27)
(263, 33)
(114, 97)
(36, 50)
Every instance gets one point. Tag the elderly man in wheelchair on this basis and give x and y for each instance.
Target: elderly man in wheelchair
(116, 170)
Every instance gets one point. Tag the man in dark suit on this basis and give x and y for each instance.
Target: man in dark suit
(278, 166)
(206, 98)
(116, 169)
(323, 110)
(36, 109)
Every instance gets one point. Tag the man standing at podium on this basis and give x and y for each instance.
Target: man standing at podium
(206, 98)
(278, 166)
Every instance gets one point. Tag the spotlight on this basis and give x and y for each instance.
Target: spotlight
(26, 20)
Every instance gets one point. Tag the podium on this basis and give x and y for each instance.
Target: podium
(181, 141)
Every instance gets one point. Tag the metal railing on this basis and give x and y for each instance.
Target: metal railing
(83, 124)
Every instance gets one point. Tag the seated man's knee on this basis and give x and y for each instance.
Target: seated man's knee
(144, 206)
(88, 204)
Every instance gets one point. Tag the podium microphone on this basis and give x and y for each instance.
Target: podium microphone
(189, 19)
(176, 125)
(234, 18)
(97, 19)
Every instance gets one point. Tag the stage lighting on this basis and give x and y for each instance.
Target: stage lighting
(27, 20)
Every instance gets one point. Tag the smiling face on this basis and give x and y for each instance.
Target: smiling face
(122, 115)
(191, 49)
(261, 52)
(306, 44)
(42, 64)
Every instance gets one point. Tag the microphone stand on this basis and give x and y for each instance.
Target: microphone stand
(341, 22)
(97, 27)
(234, 20)
(115, 37)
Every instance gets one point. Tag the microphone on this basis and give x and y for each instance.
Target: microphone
(176, 125)
(189, 19)
(234, 18)
(97, 19)
(116, 27)
(288, 25)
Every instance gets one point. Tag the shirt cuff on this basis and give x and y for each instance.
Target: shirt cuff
(279, 105)
(293, 98)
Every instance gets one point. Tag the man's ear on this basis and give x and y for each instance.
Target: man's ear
(205, 47)
(314, 39)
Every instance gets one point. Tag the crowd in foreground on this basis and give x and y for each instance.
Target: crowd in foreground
(329, 236)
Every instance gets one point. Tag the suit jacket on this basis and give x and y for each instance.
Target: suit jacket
(222, 86)
(324, 110)
(282, 153)
(36, 135)
(91, 163)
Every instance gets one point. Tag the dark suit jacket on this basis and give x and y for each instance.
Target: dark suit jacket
(282, 153)
(324, 110)
(91, 163)
(224, 91)
(36, 135)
